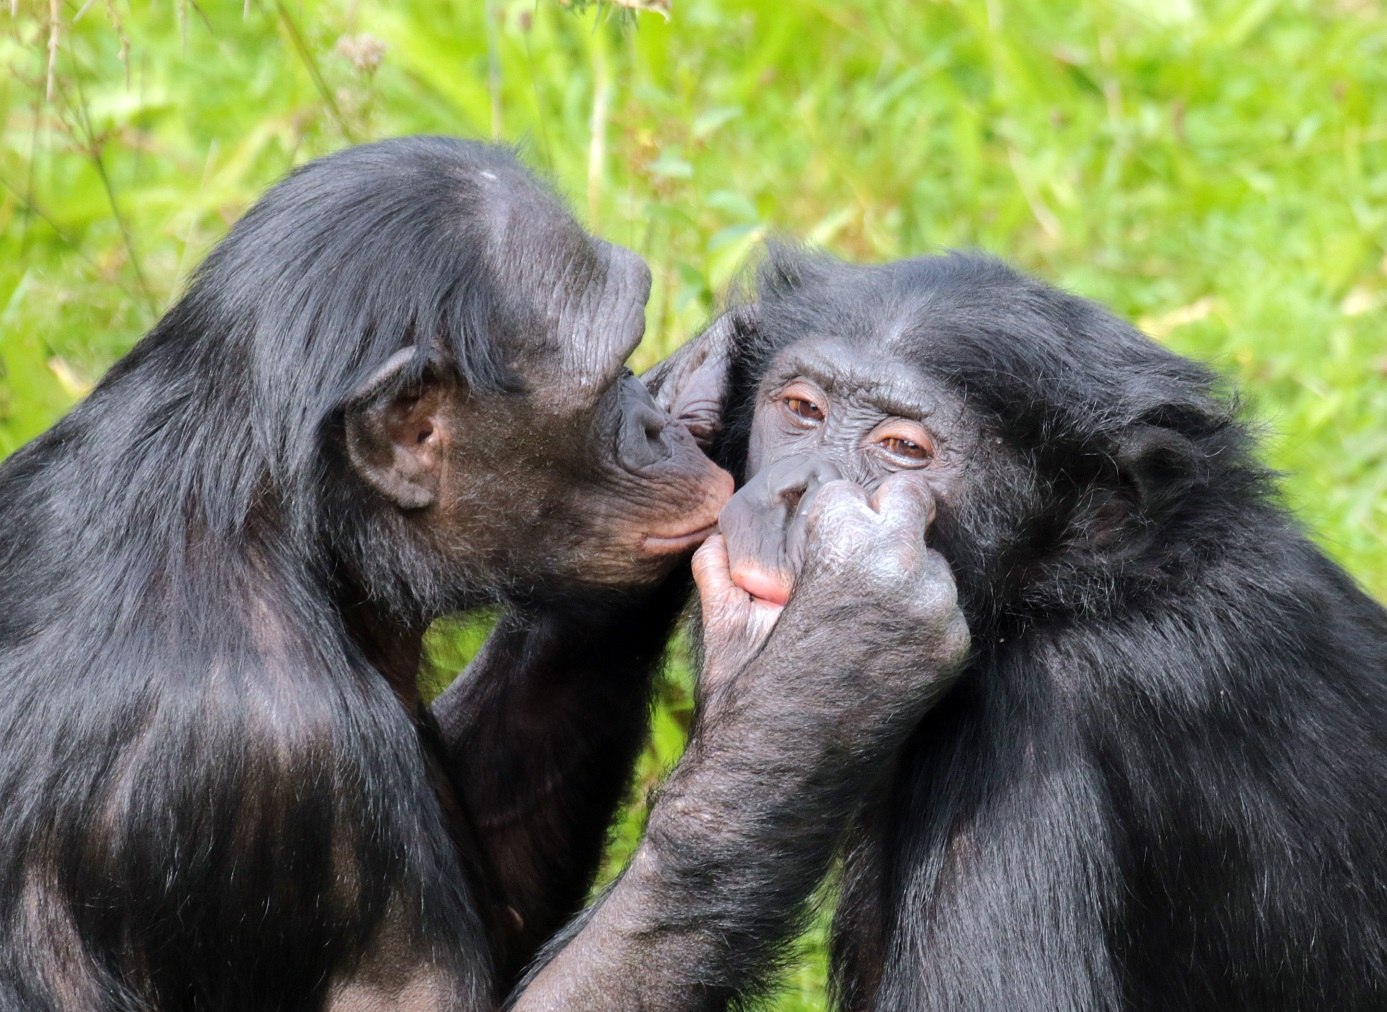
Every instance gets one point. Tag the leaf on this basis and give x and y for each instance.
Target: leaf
(671, 165)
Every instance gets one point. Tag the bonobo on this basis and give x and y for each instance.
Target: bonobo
(1158, 780)
(394, 391)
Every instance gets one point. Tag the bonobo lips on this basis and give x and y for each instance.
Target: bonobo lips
(717, 490)
(762, 584)
(659, 544)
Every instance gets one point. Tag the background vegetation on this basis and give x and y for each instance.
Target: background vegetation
(1216, 170)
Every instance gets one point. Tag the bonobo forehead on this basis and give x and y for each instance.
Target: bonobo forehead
(1040, 362)
(910, 310)
(577, 303)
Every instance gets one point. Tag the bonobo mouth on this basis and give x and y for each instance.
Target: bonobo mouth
(762, 584)
(661, 544)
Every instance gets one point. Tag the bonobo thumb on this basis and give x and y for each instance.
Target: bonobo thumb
(735, 625)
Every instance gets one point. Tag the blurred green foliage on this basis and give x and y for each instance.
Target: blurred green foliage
(1215, 170)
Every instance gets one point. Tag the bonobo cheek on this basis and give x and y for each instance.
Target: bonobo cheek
(763, 525)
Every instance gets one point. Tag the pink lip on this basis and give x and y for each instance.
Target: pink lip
(763, 586)
(660, 545)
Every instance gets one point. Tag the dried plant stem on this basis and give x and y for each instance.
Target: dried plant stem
(493, 68)
(55, 33)
(315, 73)
(597, 127)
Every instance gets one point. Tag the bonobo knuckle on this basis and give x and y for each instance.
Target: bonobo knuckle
(836, 503)
(935, 586)
(932, 598)
(907, 500)
(955, 642)
(840, 527)
(892, 574)
(907, 512)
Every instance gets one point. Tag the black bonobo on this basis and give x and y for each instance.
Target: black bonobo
(1158, 781)
(395, 391)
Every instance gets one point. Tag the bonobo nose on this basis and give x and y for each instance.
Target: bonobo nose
(790, 481)
(763, 527)
(642, 440)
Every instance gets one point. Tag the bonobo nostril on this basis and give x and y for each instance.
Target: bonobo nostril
(791, 498)
(643, 437)
(785, 484)
(790, 481)
(644, 440)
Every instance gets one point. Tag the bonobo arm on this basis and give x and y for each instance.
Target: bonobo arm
(540, 734)
(794, 725)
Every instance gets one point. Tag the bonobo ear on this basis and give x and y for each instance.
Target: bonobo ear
(396, 431)
(692, 383)
(1159, 467)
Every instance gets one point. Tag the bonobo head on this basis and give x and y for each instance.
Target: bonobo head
(1062, 447)
(435, 355)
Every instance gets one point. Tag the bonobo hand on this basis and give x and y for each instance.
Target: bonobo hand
(868, 566)
(744, 583)
(872, 625)
(801, 703)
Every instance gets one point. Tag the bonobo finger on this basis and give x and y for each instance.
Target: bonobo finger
(735, 624)
(797, 534)
(839, 524)
(713, 576)
(907, 500)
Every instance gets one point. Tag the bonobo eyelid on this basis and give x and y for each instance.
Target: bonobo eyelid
(905, 442)
(804, 403)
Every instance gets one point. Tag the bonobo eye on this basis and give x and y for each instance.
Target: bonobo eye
(905, 441)
(804, 402)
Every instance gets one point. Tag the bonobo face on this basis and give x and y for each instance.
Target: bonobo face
(832, 408)
(613, 490)
(573, 477)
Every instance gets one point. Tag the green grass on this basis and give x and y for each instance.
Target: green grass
(1217, 171)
